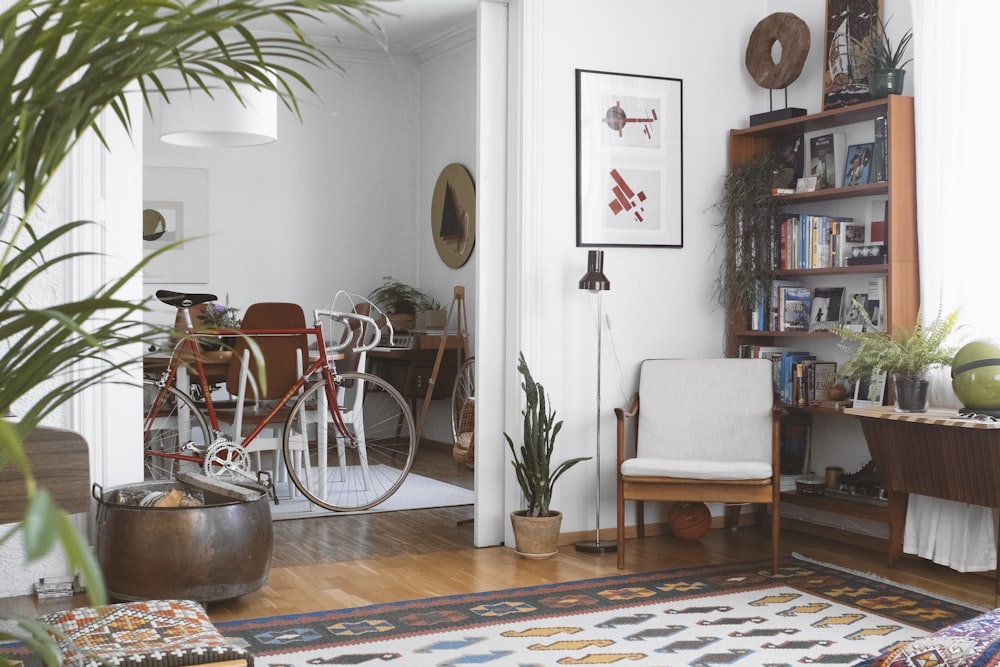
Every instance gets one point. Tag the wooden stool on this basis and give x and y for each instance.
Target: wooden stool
(154, 633)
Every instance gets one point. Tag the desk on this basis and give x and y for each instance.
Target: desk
(933, 454)
(409, 369)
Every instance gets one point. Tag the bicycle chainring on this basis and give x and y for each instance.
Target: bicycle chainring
(225, 459)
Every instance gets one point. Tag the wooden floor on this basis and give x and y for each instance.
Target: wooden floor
(349, 561)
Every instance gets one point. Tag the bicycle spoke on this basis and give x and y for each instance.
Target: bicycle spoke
(357, 467)
(173, 432)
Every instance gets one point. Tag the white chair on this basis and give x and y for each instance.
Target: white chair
(709, 433)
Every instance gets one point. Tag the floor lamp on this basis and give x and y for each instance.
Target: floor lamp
(595, 281)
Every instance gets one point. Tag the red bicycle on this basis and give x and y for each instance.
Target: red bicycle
(348, 438)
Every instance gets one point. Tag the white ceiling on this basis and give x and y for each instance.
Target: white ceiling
(413, 26)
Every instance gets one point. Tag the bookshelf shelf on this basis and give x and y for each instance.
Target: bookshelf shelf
(899, 273)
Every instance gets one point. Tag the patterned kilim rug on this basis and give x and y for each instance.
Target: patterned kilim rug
(717, 615)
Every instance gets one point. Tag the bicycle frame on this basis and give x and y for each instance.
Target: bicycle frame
(321, 365)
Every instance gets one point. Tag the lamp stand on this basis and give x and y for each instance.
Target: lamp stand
(596, 545)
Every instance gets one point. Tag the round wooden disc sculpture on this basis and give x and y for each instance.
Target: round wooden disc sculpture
(793, 34)
(689, 521)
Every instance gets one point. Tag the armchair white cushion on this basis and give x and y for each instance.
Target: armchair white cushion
(708, 431)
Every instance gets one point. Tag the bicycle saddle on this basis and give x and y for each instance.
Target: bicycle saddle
(183, 300)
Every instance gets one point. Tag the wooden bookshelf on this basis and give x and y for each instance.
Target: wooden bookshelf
(900, 272)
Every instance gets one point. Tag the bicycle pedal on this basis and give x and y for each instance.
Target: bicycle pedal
(194, 448)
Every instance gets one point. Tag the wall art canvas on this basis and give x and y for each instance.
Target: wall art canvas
(175, 208)
(630, 189)
(845, 75)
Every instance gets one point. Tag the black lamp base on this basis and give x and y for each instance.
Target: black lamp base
(597, 546)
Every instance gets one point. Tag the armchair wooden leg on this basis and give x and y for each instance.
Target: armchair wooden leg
(621, 531)
(775, 537)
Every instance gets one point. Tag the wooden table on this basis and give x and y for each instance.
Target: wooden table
(409, 369)
(216, 365)
(936, 454)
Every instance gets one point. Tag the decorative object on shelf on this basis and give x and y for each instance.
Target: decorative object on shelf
(975, 377)
(905, 355)
(534, 471)
(845, 73)
(885, 63)
(748, 214)
(595, 281)
(629, 181)
(401, 303)
(792, 35)
(453, 215)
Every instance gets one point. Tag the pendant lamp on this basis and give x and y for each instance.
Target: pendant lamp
(194, 119)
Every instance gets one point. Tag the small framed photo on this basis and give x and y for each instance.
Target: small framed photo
(859, 162)
(629, 180)
(869, 392)
(806, 184)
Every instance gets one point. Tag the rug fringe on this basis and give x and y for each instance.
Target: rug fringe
(885, 580)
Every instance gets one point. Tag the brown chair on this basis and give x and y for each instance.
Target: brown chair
(709, 433)
(258, 378)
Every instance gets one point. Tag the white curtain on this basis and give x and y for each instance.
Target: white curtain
(956, 98)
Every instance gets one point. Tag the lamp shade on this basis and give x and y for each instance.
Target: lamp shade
(194, 119)
(595, 280)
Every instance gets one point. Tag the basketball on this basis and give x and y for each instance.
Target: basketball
(689, 521)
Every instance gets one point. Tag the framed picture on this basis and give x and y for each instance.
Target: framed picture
(869, 392)
(845, 75)
(175, 208)
(629, 160)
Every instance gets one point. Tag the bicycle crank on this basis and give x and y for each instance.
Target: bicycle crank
(227, 459)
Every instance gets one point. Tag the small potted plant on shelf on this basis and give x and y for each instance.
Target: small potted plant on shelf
(905, 355)
(885, 62)
(401, 303)
(536, 529)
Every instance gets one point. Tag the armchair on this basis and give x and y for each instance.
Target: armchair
(709, 433)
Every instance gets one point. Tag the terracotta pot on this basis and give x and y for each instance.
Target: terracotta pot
(536, 536)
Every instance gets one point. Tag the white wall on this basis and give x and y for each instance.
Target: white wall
(662, 300)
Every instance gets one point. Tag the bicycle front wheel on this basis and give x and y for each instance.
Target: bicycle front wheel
(174, 432)
(358, 465)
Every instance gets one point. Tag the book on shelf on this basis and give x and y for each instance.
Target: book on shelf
(811, 380)
(824, 376)
(787, 374)
(880, 152)
(774, 316)
(795, 432)
(810, 241)
(790, 153)
(855, 310)
(770, 352)
(874, 304)
(826, 307)
(826, 159)
(794, 308)
(859, 162)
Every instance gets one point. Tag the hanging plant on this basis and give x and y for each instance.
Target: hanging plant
(749, 211)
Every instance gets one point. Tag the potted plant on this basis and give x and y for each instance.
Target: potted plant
(748, 213)
(536, 529)
(905, 355)
(64, 63)
(885, 62)
(401, 303)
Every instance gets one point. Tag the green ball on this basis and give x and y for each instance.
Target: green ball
(975, 376)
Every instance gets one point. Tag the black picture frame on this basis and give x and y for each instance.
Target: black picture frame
(630, 159)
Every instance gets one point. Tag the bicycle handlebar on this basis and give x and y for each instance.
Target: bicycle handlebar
(345, 318)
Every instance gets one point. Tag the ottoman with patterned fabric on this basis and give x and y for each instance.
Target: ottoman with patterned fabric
(153, 633)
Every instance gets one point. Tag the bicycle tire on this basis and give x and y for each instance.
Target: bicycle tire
(363, 471)
(177, 422)
(462, 391)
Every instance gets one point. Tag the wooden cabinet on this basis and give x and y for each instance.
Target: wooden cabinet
(901, 270)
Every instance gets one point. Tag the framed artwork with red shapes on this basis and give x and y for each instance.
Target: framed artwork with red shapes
(630, 160)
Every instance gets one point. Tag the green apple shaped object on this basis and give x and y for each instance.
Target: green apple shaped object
(975, 377)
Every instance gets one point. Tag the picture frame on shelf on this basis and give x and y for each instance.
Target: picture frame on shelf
(859, 162)
(869, 392)
(805, 184)
(845, 81)
(629, 160)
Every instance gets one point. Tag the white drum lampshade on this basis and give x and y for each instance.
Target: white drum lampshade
(194, 119)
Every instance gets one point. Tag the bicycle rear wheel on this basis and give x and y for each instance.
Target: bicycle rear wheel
(171, 425)
(360, 469)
